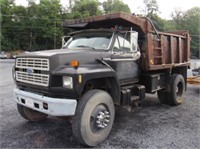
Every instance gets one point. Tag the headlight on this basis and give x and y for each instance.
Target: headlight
(67, 82)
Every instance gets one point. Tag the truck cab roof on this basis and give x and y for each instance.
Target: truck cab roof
(140, 24)
(90, 31)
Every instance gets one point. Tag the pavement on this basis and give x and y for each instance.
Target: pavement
(153, 126)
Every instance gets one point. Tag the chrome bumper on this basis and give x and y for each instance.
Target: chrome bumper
(44, 104)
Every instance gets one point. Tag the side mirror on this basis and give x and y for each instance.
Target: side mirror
(134, 45)
(134, 41)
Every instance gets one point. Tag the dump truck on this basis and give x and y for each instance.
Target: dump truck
(107, 61)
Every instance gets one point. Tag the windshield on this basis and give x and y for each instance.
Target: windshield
(90, 40)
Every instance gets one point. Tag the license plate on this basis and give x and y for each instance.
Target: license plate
(29, 102)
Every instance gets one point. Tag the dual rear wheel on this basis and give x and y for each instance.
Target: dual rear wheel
(174, 95)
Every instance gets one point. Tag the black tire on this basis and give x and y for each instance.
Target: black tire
(30, 115)
(177, 88)
(163, 96)
(84, 124)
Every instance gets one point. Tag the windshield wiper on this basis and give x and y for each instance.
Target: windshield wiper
(83, 46)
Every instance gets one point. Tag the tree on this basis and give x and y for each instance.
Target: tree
(189, 20)
(169, 25)
(19, 28)
(35, 27)
(49, 18)
(6, 21)
(158, 22)
(177, 16)
(85, 8)
(151, 8)
(151, 11)
(115, 6)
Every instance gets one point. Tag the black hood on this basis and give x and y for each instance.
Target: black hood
(63, 57)
(50, 53)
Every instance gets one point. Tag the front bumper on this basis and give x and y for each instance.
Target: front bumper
(44, 104)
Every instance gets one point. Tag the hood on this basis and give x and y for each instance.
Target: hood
(62, 57)
(49, 53)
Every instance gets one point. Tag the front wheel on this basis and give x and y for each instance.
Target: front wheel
(30, 114)
(94, 117)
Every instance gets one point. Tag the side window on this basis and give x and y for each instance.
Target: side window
(124, 44)
(116, 47)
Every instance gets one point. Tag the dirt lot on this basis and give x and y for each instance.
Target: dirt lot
(153, 126)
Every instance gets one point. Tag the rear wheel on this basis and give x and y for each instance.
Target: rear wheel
(177, 88)
(173, 95)
(30, 114)
(94, 117)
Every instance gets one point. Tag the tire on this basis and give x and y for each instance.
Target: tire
(90, 107)
(30, 115)
(177, 88)
(163, 96)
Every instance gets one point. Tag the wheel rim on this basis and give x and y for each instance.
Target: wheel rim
(179, 91)
(99, 119)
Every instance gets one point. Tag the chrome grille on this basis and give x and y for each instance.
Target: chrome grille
(33, 63)
(31, 71)
(36, 79)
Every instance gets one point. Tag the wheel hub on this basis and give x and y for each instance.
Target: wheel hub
(103, 119)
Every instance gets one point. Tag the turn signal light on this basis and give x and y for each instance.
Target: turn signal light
(75, 63)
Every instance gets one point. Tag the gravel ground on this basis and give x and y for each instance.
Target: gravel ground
(153, 126)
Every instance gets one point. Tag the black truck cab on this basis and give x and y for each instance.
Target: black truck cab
(115, 49)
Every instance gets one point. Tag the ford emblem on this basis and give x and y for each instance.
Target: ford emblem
(29, 70)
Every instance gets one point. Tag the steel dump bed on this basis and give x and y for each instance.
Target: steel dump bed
(160, 50)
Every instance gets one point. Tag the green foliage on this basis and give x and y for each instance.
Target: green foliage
(35, 27)
(115, 6)
(189, 20)
(49, 19)
(6, 5)
(158, 22)
(38, 26)
(85, 8)
(169, 25)
(151, 8)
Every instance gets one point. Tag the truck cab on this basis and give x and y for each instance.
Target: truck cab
(118, 49)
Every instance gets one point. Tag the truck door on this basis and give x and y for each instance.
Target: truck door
(123, 61)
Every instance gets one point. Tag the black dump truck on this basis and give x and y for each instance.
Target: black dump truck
(113, 59)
